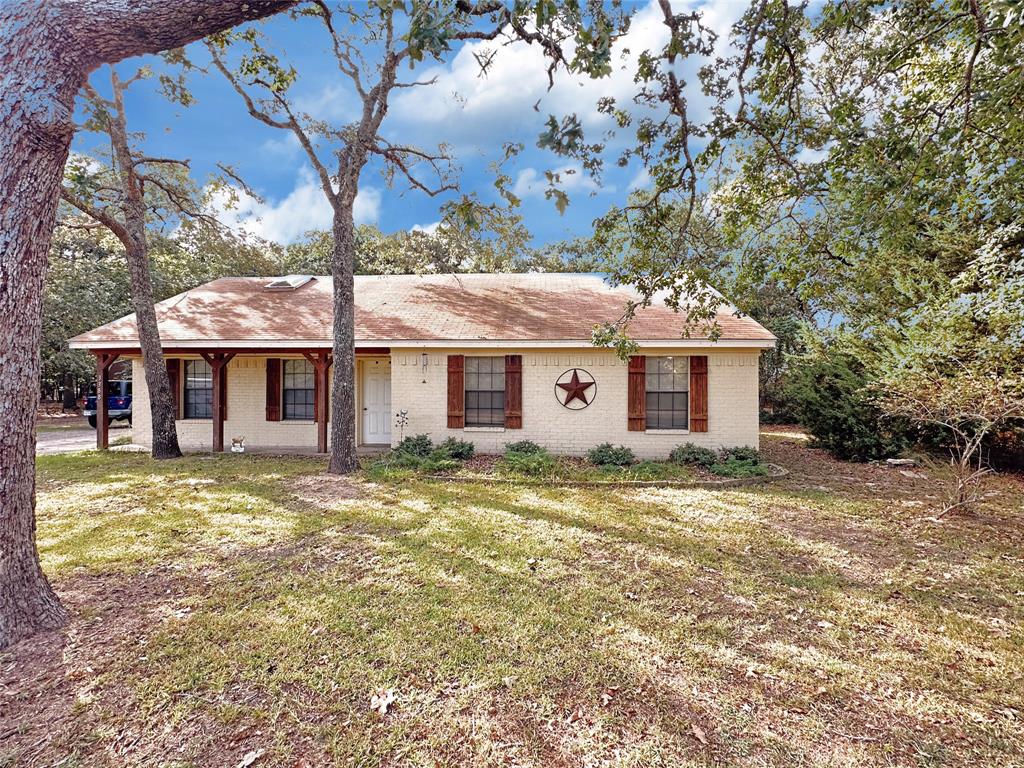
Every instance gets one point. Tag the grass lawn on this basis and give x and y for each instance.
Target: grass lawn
(239, 610)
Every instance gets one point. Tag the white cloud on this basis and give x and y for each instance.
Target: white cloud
(642, 180)
(809, 155)
(570, 178)
(287, 146)
(465, 107)
(303, 209)
(430, 229)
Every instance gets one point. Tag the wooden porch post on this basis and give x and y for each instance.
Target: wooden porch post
(218, 362)
(321, 362)
(103, 362)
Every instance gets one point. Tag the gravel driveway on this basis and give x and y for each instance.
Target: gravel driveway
(71, 439)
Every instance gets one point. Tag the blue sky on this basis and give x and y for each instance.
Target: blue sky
(473, 114)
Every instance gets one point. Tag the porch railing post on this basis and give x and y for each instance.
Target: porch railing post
(103, 362)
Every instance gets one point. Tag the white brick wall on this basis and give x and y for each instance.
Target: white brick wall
(732, 404)
(247, 408)
(732, 401)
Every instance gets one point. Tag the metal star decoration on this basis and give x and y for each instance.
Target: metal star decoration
(576, 389)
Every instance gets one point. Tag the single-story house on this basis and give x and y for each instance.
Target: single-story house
(489, 358)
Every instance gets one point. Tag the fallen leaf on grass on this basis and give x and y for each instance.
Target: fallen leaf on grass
(608, 694)
(382, 701)
(699, 734)
(250, 757)
(575, 716)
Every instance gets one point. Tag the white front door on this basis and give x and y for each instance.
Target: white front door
(376, 406)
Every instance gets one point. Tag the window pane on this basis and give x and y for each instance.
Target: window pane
(485, 391)
(667, 382)
(198, 390)
(298, 387)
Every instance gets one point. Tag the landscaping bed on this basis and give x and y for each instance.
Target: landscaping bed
(606, 464)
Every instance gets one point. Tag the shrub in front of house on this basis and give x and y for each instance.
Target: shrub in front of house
(416, 445)
(458, 449)
(742, 453)
(608, 455)
(733, 467)
(523, 447)
(439, 460)
(533, 464)
(693, 455)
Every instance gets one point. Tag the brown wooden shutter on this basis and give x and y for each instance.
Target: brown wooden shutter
(273, 389)
(513, 391)
(316, 394)
(698, 393)
(456, 391)
(636, 407)
(224, 391)
(174, 379)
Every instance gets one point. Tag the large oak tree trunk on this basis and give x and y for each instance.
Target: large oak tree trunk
(343, 393)
(47, 50)
(161, 402)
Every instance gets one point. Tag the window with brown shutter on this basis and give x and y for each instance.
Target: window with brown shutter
(636, 406)
(513, 391)
(273, 389)
(456, 393)
(174, 379)
(698, 393)
(667, 390)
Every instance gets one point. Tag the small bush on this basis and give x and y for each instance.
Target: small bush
(524, 447)
(694, 455)
(439, 460)
(458, 449)
(533, 464)
(607, 454)
(416, 445)
(648, 470)
(733, 467)
(742, 453)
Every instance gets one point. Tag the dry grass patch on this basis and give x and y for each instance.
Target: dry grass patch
(238, 603)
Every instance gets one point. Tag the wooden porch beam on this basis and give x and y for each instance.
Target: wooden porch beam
(218, 362)
(103, 362)
(321, 362)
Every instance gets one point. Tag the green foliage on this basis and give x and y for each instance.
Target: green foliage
(86, 286)
(607, 454)
(831, 398)
(418, 455)
(736, 467)
(533, 464)
(416, 445)
(523, 446)
(457, 449)
(742, 453)
(694, 455)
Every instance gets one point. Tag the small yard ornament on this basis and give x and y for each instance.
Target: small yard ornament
(238, 444)
(575, 389)
(402, 421)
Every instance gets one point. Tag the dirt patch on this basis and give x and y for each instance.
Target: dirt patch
(49, 682)
(325, 490)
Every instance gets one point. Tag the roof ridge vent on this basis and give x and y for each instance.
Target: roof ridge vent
(288, 282)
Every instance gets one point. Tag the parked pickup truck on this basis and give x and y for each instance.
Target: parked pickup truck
(119, 403)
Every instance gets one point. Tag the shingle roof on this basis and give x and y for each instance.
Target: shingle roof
(239, 311)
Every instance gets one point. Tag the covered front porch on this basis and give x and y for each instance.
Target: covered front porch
(267, 400)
